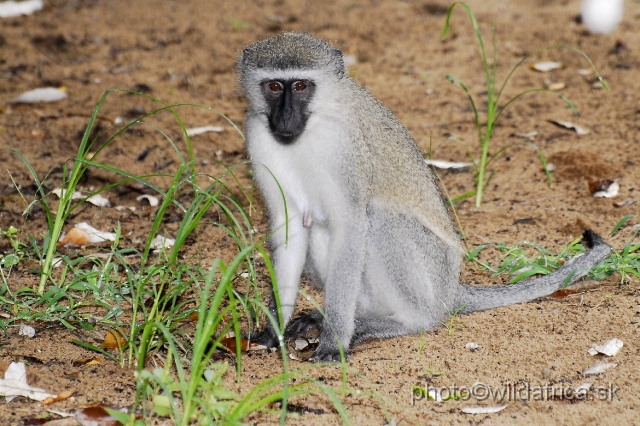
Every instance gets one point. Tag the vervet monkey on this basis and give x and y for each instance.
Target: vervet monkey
(366, 219)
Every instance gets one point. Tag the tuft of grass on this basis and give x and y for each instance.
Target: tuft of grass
(517, 263)
(494, 109)
(168, 313)
(452, 323)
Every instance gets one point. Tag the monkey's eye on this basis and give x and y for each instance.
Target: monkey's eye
(275, 86)
(299, 86)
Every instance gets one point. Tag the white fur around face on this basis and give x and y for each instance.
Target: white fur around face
(300, 168)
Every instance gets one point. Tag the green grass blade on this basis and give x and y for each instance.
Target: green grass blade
(620, 224)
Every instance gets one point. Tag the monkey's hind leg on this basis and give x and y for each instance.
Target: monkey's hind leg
(381, 328)
(409, 279)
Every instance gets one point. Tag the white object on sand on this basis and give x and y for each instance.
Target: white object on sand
(601, 16)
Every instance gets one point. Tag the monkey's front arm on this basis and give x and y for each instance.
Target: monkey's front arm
(345, 265)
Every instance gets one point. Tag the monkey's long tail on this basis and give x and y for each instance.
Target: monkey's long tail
(480, 298)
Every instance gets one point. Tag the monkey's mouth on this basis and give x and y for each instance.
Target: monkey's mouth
(285, 138)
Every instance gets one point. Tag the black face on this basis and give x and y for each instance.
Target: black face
(288, 113)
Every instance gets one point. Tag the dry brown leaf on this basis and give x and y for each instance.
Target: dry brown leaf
(229, 344)
(88, 361)
(113, 340)
(60, 397)
(75, 236)
(97, 416)
(564, 292)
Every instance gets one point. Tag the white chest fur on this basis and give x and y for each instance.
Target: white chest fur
(305, 171)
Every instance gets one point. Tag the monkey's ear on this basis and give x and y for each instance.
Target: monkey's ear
(336, 56)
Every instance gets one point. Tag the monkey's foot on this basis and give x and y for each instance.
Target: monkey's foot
(328, 355)
(266, 337)
(304, 324)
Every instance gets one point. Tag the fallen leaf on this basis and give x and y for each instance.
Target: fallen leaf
(99, 200)
(83, 233)
(608, 348)
(9, 9)
(199, 130)
(96, 200)
(568, 125)
(607, 188)
(153, 201)
(529, 135)
(546, 66)
(60, 193)
(95, 416)
(26, 330)
(162, 242)
(75, 236)
(564, 292)
(43, 94)
(113, 340)
(599, 368)
(95, 235)
(229, 344)
(61, 397)
(471, 345)
(484, 409)
(15, 384)
(88, 361)
(625, 203)
(441, 164)
(559, 85)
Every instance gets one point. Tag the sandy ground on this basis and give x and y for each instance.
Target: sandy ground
(184, 52)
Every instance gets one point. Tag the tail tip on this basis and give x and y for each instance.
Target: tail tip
(592, 239)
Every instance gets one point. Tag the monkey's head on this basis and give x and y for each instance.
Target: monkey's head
(281, 75)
